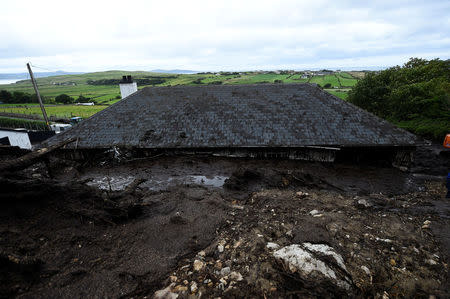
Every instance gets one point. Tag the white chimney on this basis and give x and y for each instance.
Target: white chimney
(127, 86)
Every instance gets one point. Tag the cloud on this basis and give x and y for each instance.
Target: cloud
(225, 35)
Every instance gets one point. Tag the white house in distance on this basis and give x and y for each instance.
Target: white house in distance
(127, 86)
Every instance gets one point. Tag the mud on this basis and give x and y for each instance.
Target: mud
(191, 227)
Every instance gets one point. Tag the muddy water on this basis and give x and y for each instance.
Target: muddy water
(168, 172)
(157, 183)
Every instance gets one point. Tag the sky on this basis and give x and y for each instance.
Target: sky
(220, 35)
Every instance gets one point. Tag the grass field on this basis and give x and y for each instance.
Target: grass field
(76, 85)
(62, 111)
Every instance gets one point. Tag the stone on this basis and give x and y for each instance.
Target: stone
(218, 265)
(223, 281)
(220, 248)
(198, 265)
(237, 244)
(300, 259)
(366, 270)
(236, 276)
(272, 246)
(426, 224)
(225, 271)
(431, 262)
(194, 287)
(202, 253)
(301, 194)
(173, 278)
(165, 293)
(392, 262)
(365, 203)
(180, 288)
(314, 212)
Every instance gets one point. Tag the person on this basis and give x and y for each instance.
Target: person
(448, 186)
(447, 145)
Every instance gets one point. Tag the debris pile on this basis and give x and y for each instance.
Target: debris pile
(280, 230)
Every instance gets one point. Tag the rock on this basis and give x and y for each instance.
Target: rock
(173, 278)
(206, 281)
(218, 265)
(198, 265)
(272, 246)
(314, 212)
(225, 271)
(431, 262)
(301, 194)
(426, 224)
(165, 293)
(366, 270)
(220, 248)
(185, 282)
(202, 253)
(237, 244)
(327, 250)
(392, 262)
(364, 203)
(236, 276)
(180, 288)
(301, 259)
(194, 287)
(223, 281)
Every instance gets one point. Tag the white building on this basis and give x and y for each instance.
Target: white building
(17, 137)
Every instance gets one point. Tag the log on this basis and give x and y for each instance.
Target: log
(31, 158)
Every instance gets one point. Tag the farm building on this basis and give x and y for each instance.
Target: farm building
(296, 121)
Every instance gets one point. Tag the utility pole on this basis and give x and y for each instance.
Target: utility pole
(38, 96)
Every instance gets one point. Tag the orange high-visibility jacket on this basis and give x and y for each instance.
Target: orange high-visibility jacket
(447, 141)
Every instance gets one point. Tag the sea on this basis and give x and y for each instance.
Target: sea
(9, 81)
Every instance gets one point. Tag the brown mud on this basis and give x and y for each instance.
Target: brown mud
(168, 228)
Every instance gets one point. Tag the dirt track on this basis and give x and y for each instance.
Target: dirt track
(63, 238)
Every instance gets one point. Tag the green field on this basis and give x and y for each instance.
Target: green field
(61, 111)
(103, 95)
(340, 93)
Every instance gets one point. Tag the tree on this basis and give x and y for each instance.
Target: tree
(415, 96)
(21, 97)
(64, 99)
(5, 96)
(83, 99)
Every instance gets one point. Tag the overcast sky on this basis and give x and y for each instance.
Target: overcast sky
(220, 35)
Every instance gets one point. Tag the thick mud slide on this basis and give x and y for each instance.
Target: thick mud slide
(209, 227)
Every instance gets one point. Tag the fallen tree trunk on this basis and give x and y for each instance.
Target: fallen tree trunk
(31, 158)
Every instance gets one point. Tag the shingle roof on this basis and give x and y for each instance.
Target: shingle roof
(265, 115)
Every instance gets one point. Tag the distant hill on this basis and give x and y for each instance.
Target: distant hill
(174, 71)
(36, 74)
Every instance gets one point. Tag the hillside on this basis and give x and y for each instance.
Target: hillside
(88, 84)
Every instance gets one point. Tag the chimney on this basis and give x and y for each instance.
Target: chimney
(127, 86)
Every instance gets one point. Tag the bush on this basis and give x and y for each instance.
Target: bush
(64, 99)
(328, 85)
(415, 96)
(5, 96)
(83, 99)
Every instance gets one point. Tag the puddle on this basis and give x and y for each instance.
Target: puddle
(216, 181)
(160, 183)
(115, 183)
(155, 183)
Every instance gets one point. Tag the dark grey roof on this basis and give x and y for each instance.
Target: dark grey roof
(266, 115)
